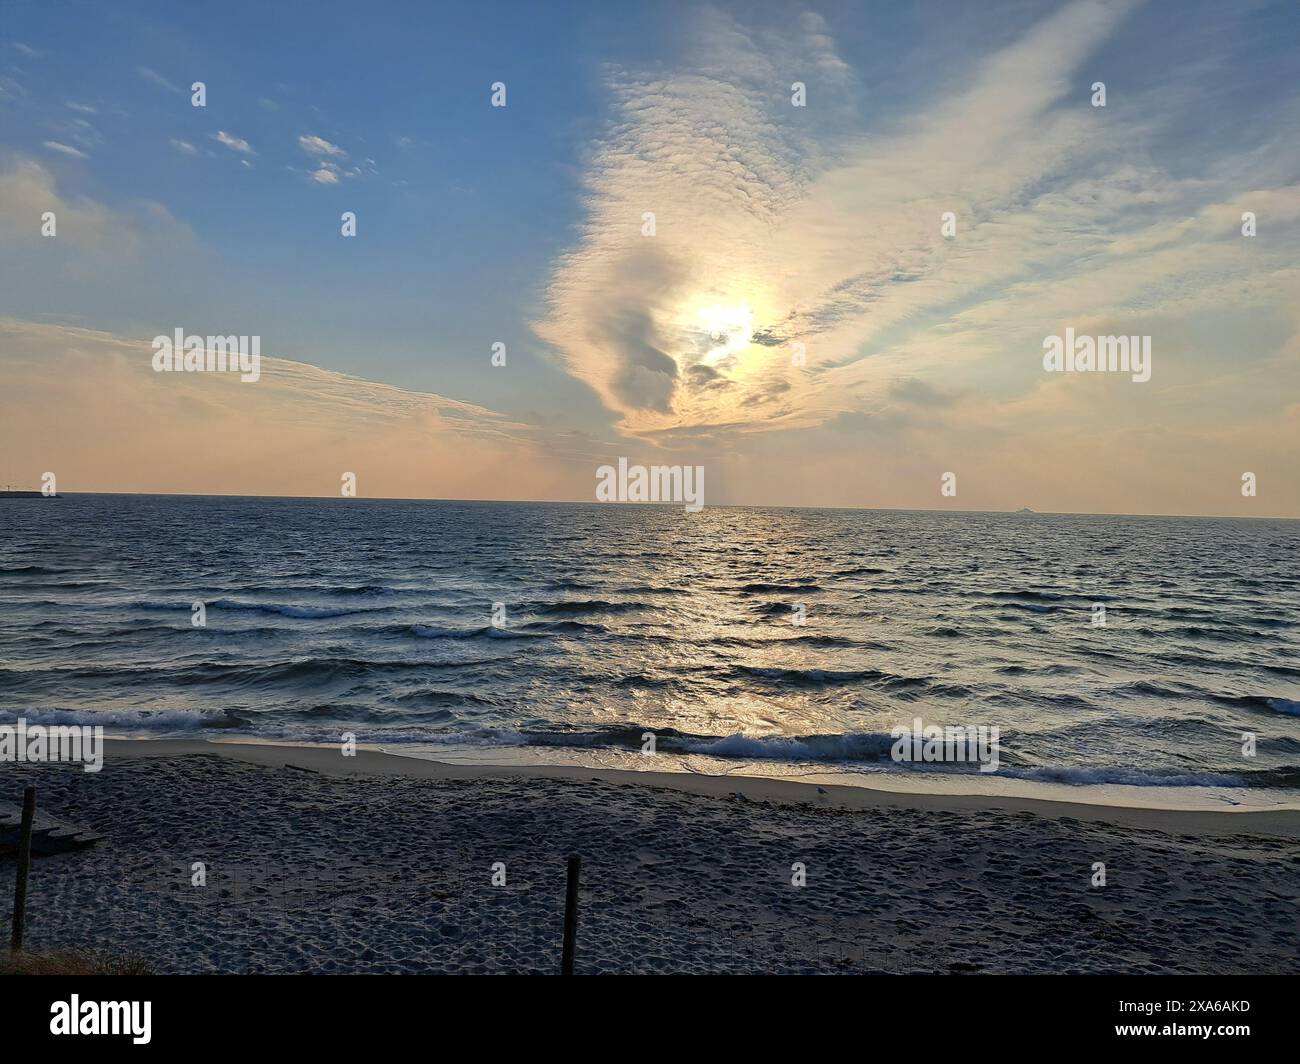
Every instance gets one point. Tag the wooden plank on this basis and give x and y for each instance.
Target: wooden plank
(49, 834)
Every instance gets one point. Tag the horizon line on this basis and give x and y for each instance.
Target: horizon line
(670, 505)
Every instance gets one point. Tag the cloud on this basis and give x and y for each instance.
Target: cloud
(328, 171)
(157, 79)
(626, 310)
(918, 393)
(65, 149)
(314, 145)
(10, 89)
(84, 108)
(816, 233)
(232, 142)
(66, 395)
(78, 130)
(28, 190)
(27, 50)
(184, 147)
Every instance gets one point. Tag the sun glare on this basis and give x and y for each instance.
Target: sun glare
(731, 327)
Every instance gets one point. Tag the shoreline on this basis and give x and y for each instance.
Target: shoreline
(371, 761)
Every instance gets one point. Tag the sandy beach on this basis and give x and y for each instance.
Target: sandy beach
(223, 857)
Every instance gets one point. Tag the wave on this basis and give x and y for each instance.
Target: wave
(875, 748)
(640, 679)
(772, 608)
(820, 641)
(1038, 670)
(147, 719)
(439, 698)
(569, 609)
(366, 590)
(1028, 596)
(1083, 775)
(818, 677)
(863, 750)
(432, 631)
(850, 747)
(1267, 703)
(280, 589)
(1151, 688)
(1222, 634)
(300, 612)
(260, 677)
(531, 629)
(853, 746)
(315, 670)
(1016, 604)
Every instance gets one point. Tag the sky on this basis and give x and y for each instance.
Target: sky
(683, 266)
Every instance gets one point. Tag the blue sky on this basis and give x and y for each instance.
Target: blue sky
(459, 220)
(814, 226)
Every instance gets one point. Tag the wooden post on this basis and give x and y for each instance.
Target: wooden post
(24, 866)
(571, 916)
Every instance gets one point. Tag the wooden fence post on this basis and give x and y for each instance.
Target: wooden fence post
(571, 916)
(24, 866)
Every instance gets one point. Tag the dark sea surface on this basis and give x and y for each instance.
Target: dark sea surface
(376, 617)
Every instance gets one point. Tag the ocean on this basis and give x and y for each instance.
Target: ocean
(570, 631)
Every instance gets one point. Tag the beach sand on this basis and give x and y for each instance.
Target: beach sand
(319, 863)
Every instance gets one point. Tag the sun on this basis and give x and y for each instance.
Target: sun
(731, 327)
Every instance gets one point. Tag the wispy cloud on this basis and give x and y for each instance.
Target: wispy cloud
(66, 392)
(80, 131)
(27, 50)
(314, 145)
(65, 149)
(232, 142)
(330, 161)
(27, 189)
(153, 76)
(184, 146)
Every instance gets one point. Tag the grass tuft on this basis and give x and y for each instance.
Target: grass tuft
(72, 962)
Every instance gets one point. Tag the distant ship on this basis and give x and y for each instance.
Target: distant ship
(1025, 510)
